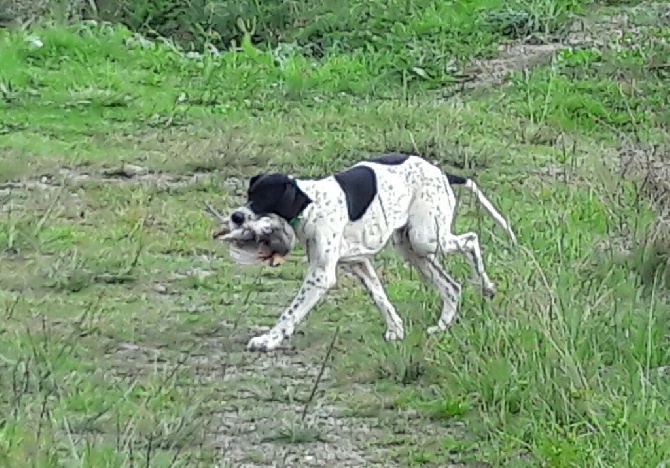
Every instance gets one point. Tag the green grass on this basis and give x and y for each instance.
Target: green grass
(123, 326)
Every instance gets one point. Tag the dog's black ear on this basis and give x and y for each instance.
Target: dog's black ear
(253, 180)
(292, 202)
(276, 193)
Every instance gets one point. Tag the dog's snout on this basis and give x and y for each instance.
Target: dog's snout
(237, 217)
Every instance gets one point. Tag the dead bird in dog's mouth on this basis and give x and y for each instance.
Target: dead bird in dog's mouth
(269, 239)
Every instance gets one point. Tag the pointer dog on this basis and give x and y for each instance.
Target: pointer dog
(348, 217)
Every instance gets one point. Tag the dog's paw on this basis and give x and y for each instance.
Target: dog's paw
(264, 343)
(394, 334)
(442, 325)
(436, 329)
(489, 290)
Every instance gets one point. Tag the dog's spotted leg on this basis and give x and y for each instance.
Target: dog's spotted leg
(449, 290)
(432, 271)
(426, 241)
(320, 277)
(365, 272)
(313, 289)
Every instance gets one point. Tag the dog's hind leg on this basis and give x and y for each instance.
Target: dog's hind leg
(429, 230)
(468, 244)
(365, 272)
(427, 236)
(432, 271)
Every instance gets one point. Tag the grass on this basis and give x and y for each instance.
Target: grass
(123, 326)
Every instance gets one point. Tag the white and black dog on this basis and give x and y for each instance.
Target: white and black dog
(348, 217)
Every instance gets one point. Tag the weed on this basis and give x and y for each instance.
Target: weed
(543, 19)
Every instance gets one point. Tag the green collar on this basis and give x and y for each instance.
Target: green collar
(294, 222)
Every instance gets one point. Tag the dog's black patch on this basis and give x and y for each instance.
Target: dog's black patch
(359, 185)
(456, 179)
(276, 193)
(390, 159)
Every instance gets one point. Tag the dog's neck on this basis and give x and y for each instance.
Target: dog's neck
(308, 186)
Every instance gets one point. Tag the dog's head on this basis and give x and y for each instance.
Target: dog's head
(273, 201)
(270, 194)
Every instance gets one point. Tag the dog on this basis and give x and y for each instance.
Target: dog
(346, 218)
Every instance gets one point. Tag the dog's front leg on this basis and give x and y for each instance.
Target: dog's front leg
(317, 282)
(321, 276)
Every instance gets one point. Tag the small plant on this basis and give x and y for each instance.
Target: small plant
(404, 363)
(540, 19)
(297, 433)
(651, 262)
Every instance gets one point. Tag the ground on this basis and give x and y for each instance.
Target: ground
(124, 325)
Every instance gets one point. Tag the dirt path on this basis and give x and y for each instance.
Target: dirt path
(251, 405)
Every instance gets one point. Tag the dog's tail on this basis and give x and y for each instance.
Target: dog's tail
(472, 187)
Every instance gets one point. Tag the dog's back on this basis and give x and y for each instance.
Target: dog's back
(429, 182)
(418, 173)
